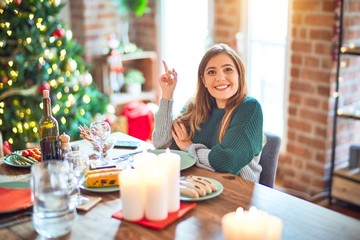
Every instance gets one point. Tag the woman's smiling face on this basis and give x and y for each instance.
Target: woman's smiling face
(221, 78)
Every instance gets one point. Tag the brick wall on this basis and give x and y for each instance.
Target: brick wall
(226, 21)
(144, 29)
(305, 164)
(92, 21)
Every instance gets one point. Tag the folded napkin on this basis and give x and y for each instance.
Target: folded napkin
(184, 208)
(13, 199)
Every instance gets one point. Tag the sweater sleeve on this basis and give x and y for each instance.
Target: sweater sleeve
(161, 135)
(242, 140)
(201, 153)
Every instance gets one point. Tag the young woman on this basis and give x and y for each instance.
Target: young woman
(221, 127)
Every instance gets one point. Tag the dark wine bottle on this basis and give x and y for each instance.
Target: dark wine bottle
(49, 132)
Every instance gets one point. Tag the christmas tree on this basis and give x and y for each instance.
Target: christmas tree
(37, 52)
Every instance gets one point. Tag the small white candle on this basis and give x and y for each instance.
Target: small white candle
(274, 228)
(252, 224)
(144, 160)
(155, 194)
(230, 223)
(172, 162)
(131, 191)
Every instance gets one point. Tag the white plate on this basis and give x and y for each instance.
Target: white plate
(219, 190)
(99, 189)
(186, 159)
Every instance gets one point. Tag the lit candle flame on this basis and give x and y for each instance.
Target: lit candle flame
(252, 210)
(239, 211)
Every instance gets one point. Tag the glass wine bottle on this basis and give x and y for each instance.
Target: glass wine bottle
(49, 132)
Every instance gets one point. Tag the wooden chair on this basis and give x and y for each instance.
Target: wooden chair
(269, 159)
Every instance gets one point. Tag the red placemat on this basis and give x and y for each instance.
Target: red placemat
(184, 208)
(14, 199)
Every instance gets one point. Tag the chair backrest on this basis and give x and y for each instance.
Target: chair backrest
(269, 159)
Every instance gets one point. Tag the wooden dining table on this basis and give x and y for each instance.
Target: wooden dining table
(301, 219)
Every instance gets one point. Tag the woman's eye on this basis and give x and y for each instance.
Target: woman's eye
(211, 72)
(228, 69)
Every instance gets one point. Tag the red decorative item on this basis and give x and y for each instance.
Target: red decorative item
(59, 33)
(5, 79)
(6, 148)
(44, 86)
(17, 2)
(140, 119)
(158, 225)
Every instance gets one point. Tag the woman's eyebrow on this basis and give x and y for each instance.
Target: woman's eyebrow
(227, 65)
(222, 66)
(209, 68)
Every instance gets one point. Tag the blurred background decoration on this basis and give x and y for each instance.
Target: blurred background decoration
(125, 9)
(37, 52)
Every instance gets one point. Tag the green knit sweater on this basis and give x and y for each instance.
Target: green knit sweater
(240, 148)
(242, 140)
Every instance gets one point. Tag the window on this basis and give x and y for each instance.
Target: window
(265, 35)
(184, 31)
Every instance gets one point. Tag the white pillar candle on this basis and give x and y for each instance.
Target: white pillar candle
(172, 162)
(144, 160)
(156, 196)
(250, 225)
(131, 191)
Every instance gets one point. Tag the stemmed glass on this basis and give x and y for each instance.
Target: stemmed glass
(99, 132)
(79, 164)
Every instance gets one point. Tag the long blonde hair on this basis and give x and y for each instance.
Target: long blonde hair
(199, 109)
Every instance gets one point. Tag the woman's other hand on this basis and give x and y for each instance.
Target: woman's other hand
(180, 135)
(168, 82)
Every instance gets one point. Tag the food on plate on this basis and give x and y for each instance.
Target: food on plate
(204, 181)
(188, 192)
(202, 186)
(102, 170)
(26, 157)
(108, 177)
(194, 186)
(34, 153)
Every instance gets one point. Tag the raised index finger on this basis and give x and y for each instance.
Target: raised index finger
(165, 66)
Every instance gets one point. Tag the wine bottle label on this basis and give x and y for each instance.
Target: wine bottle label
(50, 149)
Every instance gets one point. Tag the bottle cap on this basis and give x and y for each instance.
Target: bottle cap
(45, 93)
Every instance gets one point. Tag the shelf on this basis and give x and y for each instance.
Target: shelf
(345, 182)
(346, 185)
(348, 173)
(350, 50)
(138, 56)
(123, 98)
(350, 111)
(107, 76)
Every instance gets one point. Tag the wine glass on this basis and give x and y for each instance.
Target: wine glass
(79, 164)
(99, 132)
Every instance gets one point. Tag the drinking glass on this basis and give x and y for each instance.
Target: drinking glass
(53, 215)
(79, 164)
(99, 132)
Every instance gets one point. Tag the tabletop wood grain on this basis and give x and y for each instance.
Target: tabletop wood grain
(301, 219)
